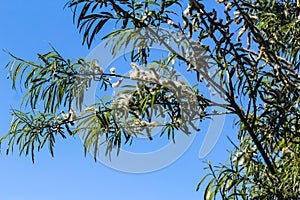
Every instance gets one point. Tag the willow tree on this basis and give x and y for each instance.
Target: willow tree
(254, 47)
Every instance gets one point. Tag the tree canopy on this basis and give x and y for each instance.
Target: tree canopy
(253, 47)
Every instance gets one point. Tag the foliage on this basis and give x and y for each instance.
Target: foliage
(254, 45)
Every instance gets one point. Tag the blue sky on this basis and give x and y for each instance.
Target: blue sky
(26, 29)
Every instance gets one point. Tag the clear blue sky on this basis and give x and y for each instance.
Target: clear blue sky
(26, 29)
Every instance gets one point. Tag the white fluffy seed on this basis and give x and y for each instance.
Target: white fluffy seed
(112, 70)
